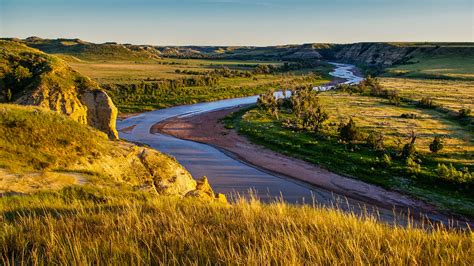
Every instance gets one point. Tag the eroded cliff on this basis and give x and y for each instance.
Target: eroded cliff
(31, 77)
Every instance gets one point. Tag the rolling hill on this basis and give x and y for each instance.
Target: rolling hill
(31, 77)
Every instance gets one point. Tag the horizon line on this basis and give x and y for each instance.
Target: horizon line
(234, 45)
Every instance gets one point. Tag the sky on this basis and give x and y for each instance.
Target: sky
(239, 22)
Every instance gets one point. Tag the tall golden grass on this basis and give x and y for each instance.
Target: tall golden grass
(84, 225)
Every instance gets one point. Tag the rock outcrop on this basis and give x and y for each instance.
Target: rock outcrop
(373, 54)
(101, 111)
(204, 191)
(31, 77)
(149, 170)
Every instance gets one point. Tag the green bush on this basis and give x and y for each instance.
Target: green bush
(314, 118)
(393, 97)
(449, 172)
(409, 150)
(268, 102)
(426, 102)
(22, 73)
(408, 116)
(375, 140)
(436, 145)
(350, 131)
(413, 167)
(464, 113)
(387, 160)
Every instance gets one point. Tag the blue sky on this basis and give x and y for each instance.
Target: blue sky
(239, 22)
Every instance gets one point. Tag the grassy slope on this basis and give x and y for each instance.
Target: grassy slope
(80, 50)
(34, 135)
(376, 114)
(450, 65)
(48, 76)
(40, 149)
(451, 94)
(88, 225)
(14, 54)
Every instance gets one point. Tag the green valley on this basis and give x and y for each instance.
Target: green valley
(394, 153)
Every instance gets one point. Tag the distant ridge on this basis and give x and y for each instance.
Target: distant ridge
(378, 54)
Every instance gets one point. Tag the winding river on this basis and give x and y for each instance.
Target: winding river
(230, 176)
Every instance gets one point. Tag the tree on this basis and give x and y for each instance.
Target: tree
(262, 69)
(22, 73)
(409, 150)
(349, 131)
(268, 102)
(314, 118)
(375, 141)
(436, 145)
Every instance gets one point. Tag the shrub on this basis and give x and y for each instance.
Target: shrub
(22, 73)
(372, 85)
(387, 160)
(464, 113)
(349, 88)
(413, 167)
(409, 150)
(262, 69)
(268, 102)
(302, 99)
(436, 145)
(426, 102)
(375, 141)
(450, 173)
(314, 118)
(350, 131)
(408, 116)
(393, 97)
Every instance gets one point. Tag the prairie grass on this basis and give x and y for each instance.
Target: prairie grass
(33, 138)
(376, 114)
(446, 67)
(85, 225)
(451, 94)
(114, 71)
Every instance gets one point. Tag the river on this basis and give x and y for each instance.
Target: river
(230, 176)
